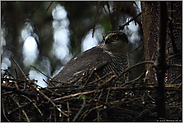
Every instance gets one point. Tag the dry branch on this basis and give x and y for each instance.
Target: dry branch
(19, 91)
(76, 94)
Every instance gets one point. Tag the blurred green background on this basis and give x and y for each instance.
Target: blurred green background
(48, 34)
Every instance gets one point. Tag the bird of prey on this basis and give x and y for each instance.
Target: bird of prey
(111, 55)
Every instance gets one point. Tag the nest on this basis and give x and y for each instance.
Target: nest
(100, 100)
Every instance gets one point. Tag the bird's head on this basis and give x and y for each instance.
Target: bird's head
(115, 42)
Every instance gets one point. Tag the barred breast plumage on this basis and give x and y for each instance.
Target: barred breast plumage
(110, 55)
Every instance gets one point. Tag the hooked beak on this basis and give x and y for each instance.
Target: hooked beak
(107, 40)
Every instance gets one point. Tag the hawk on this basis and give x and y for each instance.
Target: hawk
(110, 55)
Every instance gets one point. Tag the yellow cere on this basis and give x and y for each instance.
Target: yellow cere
(107, 37)
(104, 38)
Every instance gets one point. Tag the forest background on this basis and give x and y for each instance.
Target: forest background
(39, 38)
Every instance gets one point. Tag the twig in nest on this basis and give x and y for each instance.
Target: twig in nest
(144, 112)
(97, 107)
(52, 102)
(6, 93)
(19, 68)
(116, 102)
(73, 95)
(136, 79)
(20, 91)
(7, 72)
(98, 77)
(28, 81)
(53, 92)
(180, 85)
(88, 77)
(150, 97)
(62, 86)
(176, 78)
(144, 87)
(129, 68)
(174, 55)
(19, 107)
(34, 105)
(171, 31)
(174, 65)
(2, 104)
(18, 80)
(84, 102)
(105, 104)
(40, 72)
(107, 81)
(68, 109)
(102, 77)
(49, 83)
(127, 111)
(108, 92)
(16, 101)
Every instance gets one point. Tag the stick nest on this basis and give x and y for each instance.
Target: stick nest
(104, 99)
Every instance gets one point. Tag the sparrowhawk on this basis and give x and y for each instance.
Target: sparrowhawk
(110, 55)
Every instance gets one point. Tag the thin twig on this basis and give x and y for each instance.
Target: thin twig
(122, 27)
(16, 101)
(116, 102)
(174, 55)
(7, 72)
(68, 109)
(176, 78)
(144, 87)
(28, 81)
(19, 68)
(97, 107)
(136, 79)
(129, 68)
(174, 65)
(107, 81)
(19, 107)
(53, 92)
(123, 110)
(73, 95)
(83, 105)
(34, 105)
(150, 97)
(2, 104)
(101, 77)
(171, 30)
(107, 95)
(52, 102)
(18, 80)
(144, 112)
(137, 47)
(180, 85)
(47, 9)
(40, 72)
(20, 91)
(96, 18)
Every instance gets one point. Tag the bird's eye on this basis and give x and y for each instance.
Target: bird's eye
(115, 37)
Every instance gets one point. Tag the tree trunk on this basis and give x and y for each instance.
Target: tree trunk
(156, 30)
